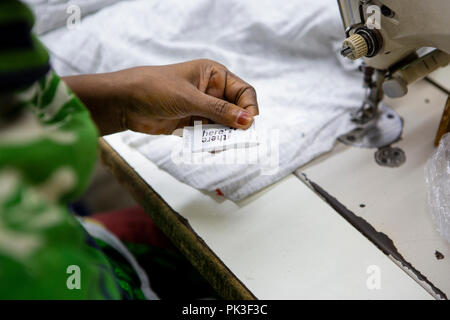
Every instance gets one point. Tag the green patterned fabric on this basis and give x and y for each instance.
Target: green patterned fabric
(126, 276)
(47, 152)
(46, 157)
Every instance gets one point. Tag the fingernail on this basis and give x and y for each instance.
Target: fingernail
(244, 118)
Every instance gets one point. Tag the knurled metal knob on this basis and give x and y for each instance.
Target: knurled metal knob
(354, 47)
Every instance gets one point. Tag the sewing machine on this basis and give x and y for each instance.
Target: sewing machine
(401, 41)
(285, 241)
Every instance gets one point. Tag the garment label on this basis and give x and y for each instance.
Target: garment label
(215, 137)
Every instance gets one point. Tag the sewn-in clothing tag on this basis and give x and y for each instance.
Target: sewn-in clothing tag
(215, 137)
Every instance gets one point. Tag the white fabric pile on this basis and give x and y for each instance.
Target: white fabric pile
(288, 51)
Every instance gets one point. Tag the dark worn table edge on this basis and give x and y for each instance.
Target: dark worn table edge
(175, 227)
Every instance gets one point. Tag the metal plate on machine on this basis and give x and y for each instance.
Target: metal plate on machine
(384, 130)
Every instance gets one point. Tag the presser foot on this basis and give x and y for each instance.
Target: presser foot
(382, 130)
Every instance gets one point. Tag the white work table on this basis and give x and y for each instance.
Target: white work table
(394, 200)
(286, 242)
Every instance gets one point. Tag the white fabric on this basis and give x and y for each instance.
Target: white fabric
(286, 50)
(53, 14)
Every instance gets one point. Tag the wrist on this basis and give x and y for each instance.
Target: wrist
(104, 97)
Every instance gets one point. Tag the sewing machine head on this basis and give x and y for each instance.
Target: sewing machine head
(388, 31)
(388, 35)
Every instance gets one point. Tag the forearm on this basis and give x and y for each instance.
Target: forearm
(161, 99)
(103, 96)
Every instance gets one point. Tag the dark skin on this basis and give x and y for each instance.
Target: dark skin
(161, 99)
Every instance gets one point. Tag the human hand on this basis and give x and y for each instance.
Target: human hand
(160, 99)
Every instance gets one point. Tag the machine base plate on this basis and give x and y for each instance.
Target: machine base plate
(382, 131)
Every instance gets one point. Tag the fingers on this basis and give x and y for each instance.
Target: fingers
(223, 112)
(216, 80)
(216, 83)
(241, 93)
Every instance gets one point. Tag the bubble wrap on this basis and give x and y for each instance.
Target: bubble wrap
(437, 177)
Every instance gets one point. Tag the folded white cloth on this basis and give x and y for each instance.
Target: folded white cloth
(53, 14)
(287, 51)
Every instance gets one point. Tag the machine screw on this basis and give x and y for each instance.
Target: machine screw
(390, 157)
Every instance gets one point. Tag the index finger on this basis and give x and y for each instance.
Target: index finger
(241, 93)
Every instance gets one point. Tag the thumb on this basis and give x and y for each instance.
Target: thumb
(223, 112)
